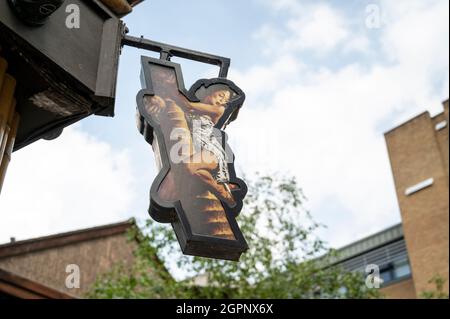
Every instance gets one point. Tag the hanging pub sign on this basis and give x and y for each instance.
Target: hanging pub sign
(196, 189)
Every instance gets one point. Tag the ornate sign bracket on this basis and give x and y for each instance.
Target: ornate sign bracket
(196, 189)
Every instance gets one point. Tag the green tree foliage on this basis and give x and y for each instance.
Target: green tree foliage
(438, 292)
(282, 261)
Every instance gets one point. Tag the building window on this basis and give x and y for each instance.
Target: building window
(402, 269)
(395, 271)
(387, 274)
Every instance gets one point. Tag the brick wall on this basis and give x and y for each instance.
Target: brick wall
(401, 290)
(418, 151)
(93, 257)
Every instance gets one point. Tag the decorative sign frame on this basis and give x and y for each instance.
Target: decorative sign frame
(200, 198)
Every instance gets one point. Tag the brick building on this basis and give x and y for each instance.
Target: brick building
(386, 249)
(418, 150)
(37, 268)
(410, 254)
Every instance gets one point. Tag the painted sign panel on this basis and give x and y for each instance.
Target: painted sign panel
(196, 188)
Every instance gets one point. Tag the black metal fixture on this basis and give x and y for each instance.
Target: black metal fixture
(59, 82)
(202, 209)
(35, 12)
(167, 51)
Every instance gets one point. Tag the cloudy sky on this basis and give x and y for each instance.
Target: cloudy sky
(324, 81)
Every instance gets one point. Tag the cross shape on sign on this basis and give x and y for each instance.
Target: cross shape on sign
(196, 188)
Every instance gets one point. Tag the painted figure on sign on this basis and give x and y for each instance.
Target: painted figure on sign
(196, 189)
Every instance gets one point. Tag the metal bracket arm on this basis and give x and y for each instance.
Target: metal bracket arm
(167, 51)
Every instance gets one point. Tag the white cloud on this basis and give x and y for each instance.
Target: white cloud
(357, 44)
(326, 126)
(270, 36)
(262, 79)
(73, 182)
(428, 24)
(318, 28)
(293, 6)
